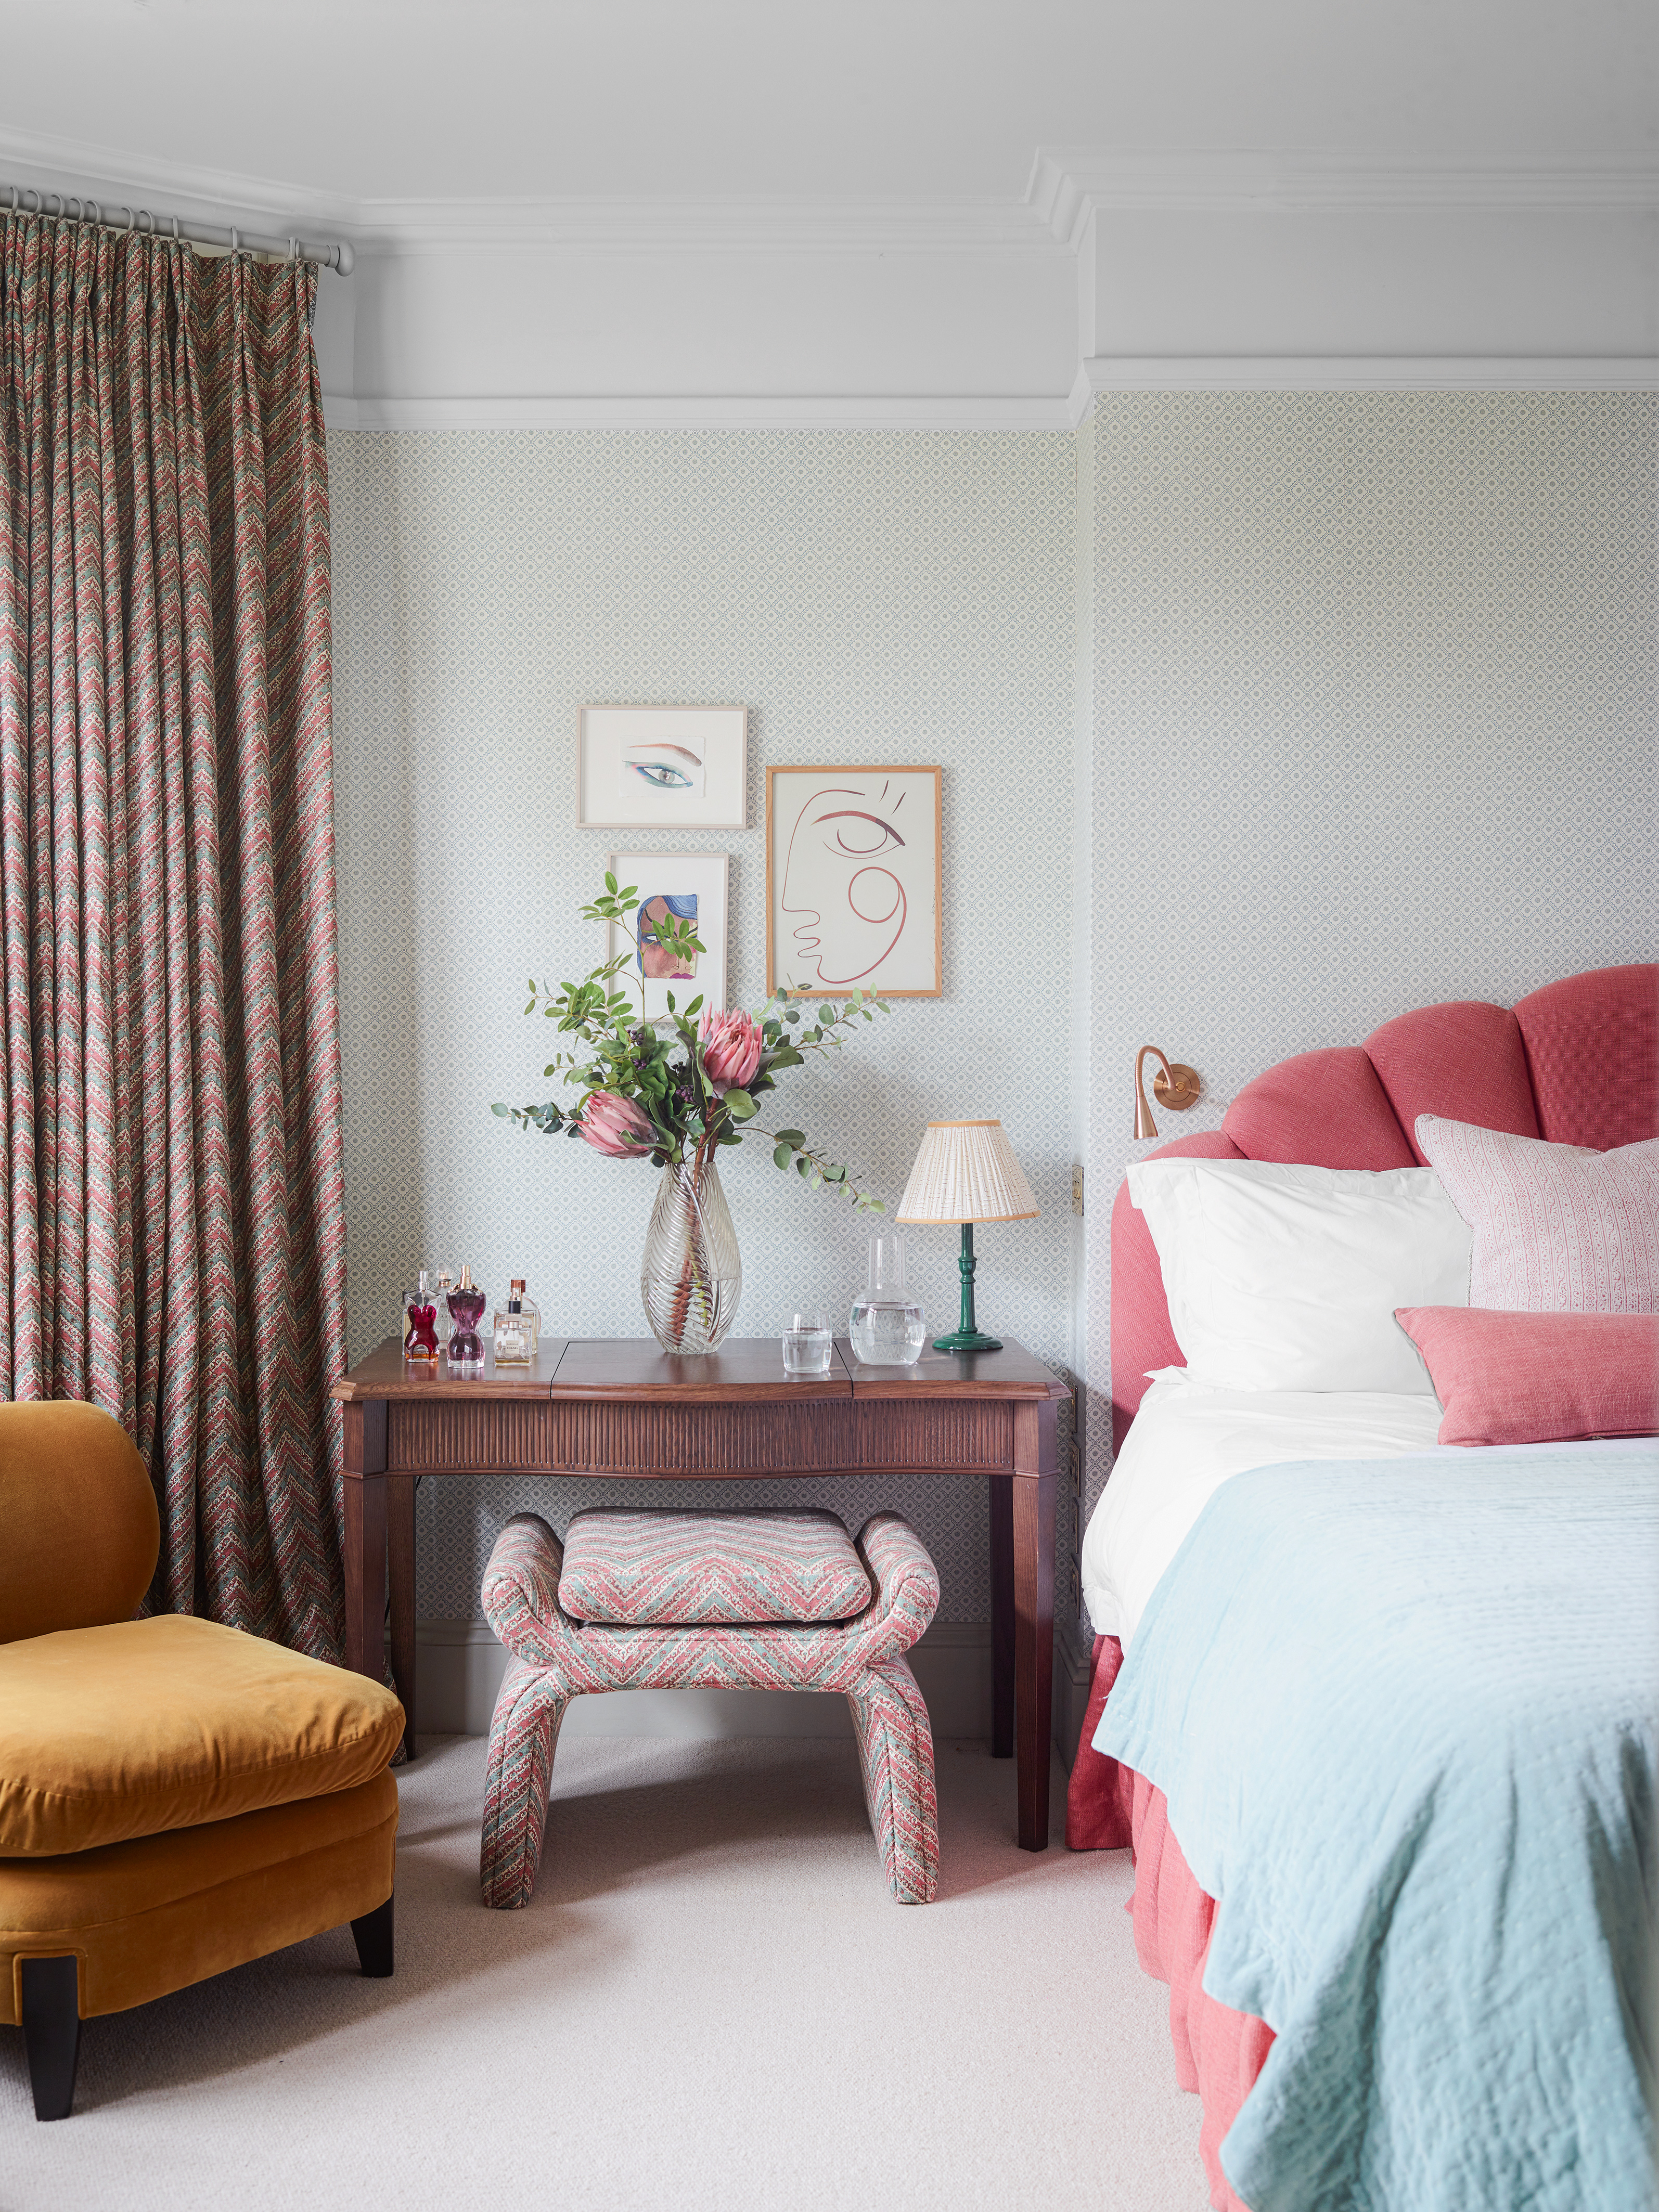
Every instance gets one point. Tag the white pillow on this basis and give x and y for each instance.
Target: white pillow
(1284, 1278)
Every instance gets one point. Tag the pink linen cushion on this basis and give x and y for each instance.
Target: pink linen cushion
(1534, 1378)
(634, 1569)
(1558, 1227)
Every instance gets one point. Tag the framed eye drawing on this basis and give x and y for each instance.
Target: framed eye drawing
(662, 767)
(691, 887)
(853, 864)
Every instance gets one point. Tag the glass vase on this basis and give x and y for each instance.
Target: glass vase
(692, 1277)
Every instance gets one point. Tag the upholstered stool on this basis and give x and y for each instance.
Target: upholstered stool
(755, 1601)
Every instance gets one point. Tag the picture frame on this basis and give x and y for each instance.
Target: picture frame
(662, 767)
(699, 882)
(853, 898)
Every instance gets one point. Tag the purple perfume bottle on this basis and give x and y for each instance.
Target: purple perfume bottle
(466, 1305)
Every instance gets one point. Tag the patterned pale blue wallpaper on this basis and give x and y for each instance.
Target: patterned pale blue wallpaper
(1374, 721)
(870, 597)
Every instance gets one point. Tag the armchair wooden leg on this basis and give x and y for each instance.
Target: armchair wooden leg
(373, 1937)
(51, 2032)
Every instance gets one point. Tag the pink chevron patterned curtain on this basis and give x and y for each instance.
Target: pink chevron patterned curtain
(173, 1235)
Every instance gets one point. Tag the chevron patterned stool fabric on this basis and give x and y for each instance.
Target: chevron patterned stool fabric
(668, 1585)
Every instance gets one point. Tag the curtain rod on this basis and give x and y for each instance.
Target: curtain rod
(337, 255)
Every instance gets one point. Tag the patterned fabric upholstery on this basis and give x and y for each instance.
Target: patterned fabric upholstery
(631, 1569)
(557, 1658)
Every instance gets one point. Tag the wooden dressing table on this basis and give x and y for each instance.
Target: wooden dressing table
(622, 1407)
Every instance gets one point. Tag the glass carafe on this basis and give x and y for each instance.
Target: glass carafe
(888, 1327)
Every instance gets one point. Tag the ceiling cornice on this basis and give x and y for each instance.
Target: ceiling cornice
(627, 224)
(1067, 184)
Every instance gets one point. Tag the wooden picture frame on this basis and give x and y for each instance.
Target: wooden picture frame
(662, 767)
(833, 894)
(706, 877)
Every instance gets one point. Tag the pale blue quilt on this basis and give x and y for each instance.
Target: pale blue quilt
(1403, 1712)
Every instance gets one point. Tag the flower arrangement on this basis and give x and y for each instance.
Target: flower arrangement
(674, 1091)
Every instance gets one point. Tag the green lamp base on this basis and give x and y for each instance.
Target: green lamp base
(966, 1336)
(967, 1339)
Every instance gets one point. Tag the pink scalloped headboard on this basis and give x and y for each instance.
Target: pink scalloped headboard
(1576, 1063)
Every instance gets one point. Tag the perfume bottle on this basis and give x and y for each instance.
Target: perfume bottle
(421, 1323)
(517, 1326)
(466, 1305)
(446, 1322)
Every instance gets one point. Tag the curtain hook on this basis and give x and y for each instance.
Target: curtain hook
(234, 247)
(176, 239)
(292, 248)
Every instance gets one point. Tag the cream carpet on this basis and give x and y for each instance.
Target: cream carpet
(711, 2002)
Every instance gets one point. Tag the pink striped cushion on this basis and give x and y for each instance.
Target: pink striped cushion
(1558, 1227)
(1535, 1378)
(637, 1569)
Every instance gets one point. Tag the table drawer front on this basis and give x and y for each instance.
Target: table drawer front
(602, 1437)
(445, 1434)
(933, 1432)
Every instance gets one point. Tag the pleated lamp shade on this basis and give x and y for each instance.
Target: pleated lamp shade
(967, 1171)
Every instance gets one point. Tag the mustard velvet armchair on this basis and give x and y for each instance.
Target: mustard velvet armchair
(175, 1797)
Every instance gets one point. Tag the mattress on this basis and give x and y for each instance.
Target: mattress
(1187, 1440)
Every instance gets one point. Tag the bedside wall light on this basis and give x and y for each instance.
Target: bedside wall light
(1176, 1087)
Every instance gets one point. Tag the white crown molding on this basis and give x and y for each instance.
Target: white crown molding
(733, 411)
(614, 226)
(1358, 372)
(1068, 184)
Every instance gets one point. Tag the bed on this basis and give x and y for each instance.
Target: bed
(1575, 1064)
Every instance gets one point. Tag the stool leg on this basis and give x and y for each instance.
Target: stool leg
(523, 1736)
(51, 2032)
(896, 1751)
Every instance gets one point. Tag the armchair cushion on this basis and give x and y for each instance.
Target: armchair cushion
(143, 1726)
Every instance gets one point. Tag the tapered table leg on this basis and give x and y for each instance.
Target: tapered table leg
(1034, 1615)
(365, 1537)
(1002, 1616)
(400, 1575)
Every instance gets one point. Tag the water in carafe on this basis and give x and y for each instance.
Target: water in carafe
(888, 1326)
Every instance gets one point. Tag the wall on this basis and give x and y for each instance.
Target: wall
(1374, 722)
(870, 596)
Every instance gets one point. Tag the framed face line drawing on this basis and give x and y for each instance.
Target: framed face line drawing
(662, 767)
(692, 886)
(853, 866)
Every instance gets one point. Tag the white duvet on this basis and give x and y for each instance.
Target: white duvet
(1188, 1439)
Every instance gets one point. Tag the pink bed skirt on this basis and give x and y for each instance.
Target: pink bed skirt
(1218, 2052)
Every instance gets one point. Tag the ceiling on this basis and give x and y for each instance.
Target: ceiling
(360, 101)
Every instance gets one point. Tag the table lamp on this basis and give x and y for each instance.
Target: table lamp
(966, 1171)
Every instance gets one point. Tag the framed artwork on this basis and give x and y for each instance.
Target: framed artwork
(853, 881)
(694, 887)
(662, 767)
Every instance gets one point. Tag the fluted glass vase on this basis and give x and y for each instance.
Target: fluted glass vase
(692, 1277)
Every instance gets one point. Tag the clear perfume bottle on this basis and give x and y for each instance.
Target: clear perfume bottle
(421, 1321)
(518, 1328)
(466, 1305)
(446, 1322)
(888, 1326)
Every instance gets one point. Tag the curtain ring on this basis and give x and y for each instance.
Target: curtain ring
(127, 211)
(32, 192)
(146, 221)
(58, 196)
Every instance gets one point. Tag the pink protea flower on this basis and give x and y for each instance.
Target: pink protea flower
(615, 1125)
(730, 1049)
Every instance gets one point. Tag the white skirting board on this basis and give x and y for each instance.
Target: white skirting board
(461, 1665)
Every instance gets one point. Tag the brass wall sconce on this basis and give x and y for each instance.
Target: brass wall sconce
(1176, 1087)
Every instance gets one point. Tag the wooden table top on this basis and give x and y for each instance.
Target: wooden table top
(745, 1368)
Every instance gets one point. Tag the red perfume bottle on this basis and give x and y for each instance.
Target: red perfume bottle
(466, 1305)
(421, 1323)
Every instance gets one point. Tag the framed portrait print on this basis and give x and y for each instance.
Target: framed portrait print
(693, 887)
(662, 767)
(853, 881)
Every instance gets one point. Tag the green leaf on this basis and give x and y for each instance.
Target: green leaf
(792, 1014)
(740, 1106)
(803, 1165)
(696, 1006)
(826, 1017)
(782, 1154)
(788, 1057)
(502, 1110)
(793, 1138)
(668, 995)
(610, 883)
